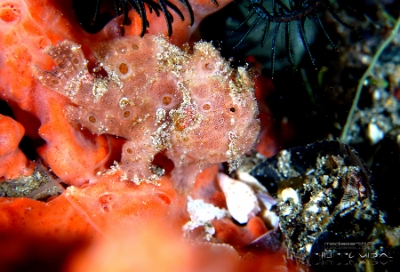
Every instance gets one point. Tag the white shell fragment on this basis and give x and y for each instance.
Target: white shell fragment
(375, 134)
(241, 200)
(269, 217)
(290, 193)
(250, 180)
(201, 214)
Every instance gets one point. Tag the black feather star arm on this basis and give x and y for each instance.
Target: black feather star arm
(278, 13)
(99, 19)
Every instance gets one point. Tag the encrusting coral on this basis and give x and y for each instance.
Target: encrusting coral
(194, 107)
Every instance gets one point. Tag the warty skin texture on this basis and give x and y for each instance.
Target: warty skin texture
(193, 107)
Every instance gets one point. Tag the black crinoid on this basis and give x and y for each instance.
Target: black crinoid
(282, 16)
(94, 14)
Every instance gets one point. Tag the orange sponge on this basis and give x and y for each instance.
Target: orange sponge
(13, 162)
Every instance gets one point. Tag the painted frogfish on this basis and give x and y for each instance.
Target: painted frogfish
(189, 104)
